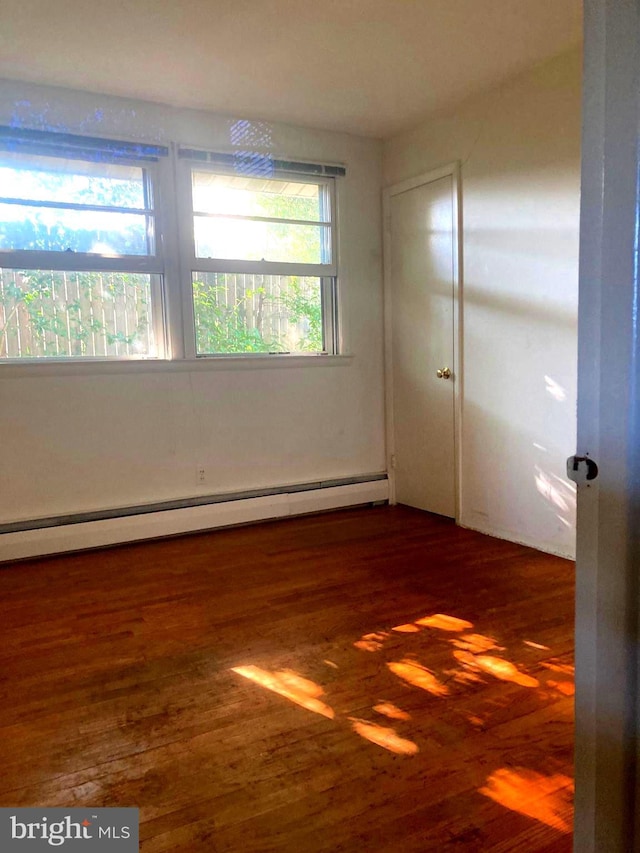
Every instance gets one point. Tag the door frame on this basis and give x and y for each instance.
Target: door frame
(452, 170)
(607, 701)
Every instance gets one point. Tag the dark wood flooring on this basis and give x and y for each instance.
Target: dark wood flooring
(371, 679)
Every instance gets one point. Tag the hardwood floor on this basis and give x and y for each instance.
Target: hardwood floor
(295, 686)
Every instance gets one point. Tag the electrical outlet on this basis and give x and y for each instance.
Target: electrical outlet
(201, 475)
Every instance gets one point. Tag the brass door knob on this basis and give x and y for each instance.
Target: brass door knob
(443, 373)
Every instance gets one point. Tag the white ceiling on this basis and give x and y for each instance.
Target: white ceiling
(371, 67)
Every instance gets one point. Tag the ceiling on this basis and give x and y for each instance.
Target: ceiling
(369, 67)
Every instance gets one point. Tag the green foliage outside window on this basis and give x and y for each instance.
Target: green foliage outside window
(60, 314)
(244, 323)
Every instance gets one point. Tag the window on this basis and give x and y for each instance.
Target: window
(87, 224)
(80, 274)
(261, 262)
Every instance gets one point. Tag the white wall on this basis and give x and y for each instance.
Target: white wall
(519, 149)
(90, 439)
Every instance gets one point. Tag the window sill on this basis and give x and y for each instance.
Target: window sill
(16, 370)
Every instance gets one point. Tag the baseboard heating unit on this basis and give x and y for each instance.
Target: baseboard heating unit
(56, 534)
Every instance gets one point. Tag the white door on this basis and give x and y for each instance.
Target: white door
(422, 272)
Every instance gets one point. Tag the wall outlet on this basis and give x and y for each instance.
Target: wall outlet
(201, 475)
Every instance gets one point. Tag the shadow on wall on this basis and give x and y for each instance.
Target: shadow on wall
(525, 303)
(519, 298)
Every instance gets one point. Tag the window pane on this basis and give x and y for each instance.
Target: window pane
(65, 314)
(244, 239)
(40, 178)
(238, 313)
(239, 196)
(57, 230)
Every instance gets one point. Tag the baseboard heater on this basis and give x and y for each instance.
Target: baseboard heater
(56, 534)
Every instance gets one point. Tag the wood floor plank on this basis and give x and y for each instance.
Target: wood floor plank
(365, 679)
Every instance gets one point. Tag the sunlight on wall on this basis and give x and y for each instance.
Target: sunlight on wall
(560, 494)
(549, 490)
(555, 389)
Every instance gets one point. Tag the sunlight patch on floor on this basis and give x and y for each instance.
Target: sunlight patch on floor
(419, 676)
(463, 676)
(567, 688)
(476, 643)
(384, 736)
(542, 798)
(498, 667)
(289, 684)
(388, 709)
(371, 642)
(470, 665)
(444, 622)
(533, 645)
(564, 668)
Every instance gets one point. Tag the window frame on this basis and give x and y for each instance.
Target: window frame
(190, 263)
(39, 143)
(174, 259)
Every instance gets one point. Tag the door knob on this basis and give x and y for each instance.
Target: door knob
(443, 373)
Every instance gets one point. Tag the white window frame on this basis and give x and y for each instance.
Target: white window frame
(55, 260)
(174, 259)
(191, 263)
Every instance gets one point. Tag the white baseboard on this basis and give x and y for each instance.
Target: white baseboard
(112, 531)
(547, 547)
